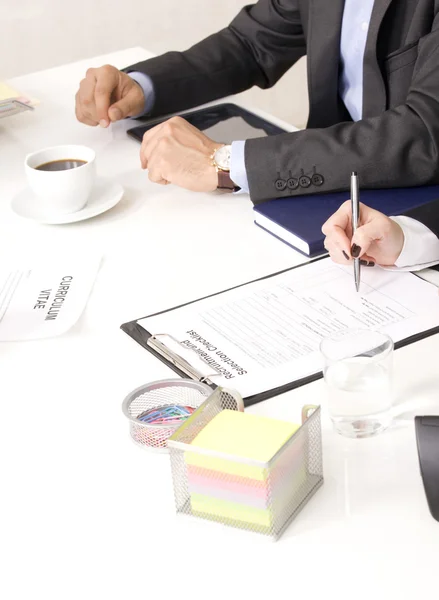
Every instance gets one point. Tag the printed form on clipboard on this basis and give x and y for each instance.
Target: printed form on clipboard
(263, 337)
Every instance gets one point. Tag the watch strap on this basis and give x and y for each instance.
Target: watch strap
(225, 182)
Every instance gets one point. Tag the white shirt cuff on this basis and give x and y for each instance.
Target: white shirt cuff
(238, 174)
(421, 246)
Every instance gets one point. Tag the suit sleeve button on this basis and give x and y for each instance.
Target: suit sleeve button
(280, 184)
(292, 183)
(317, 179)
(304, 181)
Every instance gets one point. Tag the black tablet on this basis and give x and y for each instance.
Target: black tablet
(222, 123)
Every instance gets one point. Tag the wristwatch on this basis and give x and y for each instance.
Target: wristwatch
(221, 161)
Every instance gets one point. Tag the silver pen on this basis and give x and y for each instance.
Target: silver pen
(355, 202)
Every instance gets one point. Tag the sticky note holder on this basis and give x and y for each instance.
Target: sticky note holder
(12, 106)
(263, 497)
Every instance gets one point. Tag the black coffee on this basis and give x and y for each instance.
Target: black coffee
(61, 165)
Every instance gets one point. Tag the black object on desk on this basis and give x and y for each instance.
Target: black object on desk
(427, 437)
(222, 122)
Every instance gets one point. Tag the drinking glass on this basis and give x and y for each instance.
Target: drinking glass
(357, 367)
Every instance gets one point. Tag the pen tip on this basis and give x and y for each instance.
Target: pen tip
(354, 173)
(357, 286)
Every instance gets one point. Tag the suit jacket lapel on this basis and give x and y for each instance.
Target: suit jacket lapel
(323, 56)
(374, 91)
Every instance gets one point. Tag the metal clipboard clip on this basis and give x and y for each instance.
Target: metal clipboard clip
(179, 361)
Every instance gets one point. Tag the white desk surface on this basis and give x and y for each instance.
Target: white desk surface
(87, 514)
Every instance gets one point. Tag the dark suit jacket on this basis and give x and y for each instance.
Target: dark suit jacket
(428, 215)
(397, 141)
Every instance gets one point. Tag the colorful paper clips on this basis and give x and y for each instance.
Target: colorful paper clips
(166, 415)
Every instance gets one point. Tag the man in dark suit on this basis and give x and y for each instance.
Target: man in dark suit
(373, 77)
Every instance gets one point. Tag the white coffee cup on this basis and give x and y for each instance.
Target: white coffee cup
(66, 191)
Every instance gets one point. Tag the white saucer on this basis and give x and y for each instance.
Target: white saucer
(104, 196)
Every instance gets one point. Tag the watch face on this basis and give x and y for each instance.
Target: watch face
(222, 158)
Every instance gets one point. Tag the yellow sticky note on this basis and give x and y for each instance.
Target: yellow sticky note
(6, 91)
(243, 435)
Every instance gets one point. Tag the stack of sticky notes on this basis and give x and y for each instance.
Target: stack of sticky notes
(7, 93)
(12, 101)
(247, 492)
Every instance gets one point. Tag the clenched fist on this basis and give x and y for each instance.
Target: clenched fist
(106, 95)
(177, 152)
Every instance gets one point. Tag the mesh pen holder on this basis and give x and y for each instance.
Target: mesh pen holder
(265, 504)
(157, 396)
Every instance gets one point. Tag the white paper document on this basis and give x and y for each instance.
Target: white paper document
(46, 298)
(267, 334)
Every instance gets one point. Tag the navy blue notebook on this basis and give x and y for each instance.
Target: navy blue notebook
(298, 220)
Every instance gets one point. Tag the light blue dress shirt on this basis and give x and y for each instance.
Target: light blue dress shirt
(148, 91)
(354, 28)
(355, 25)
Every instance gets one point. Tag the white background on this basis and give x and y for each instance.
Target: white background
(39, 34)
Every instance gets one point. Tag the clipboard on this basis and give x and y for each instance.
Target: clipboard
(154, 343)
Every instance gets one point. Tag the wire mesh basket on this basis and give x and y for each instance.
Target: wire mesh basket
(266, 495)
(146, 407)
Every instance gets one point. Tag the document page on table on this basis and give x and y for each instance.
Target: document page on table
(44, 297)
(267, 333)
